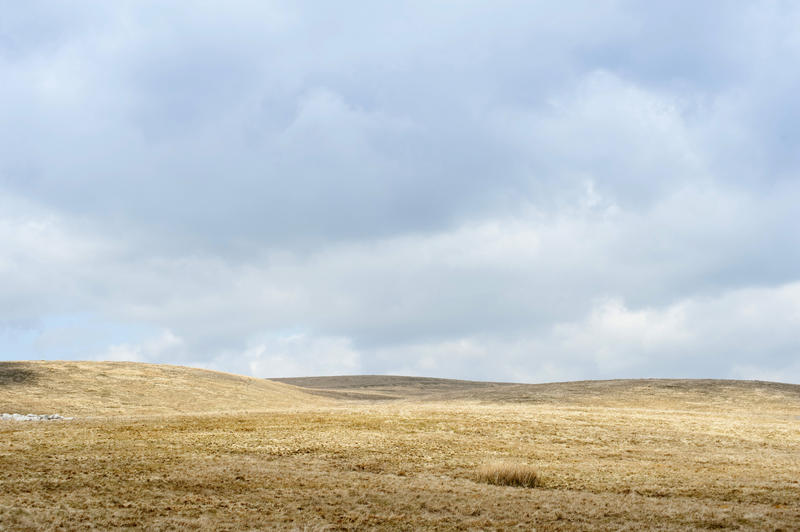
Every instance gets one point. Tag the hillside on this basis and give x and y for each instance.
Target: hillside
(128, 388)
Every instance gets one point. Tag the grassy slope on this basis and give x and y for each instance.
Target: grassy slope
(126, 388)
(616, 455)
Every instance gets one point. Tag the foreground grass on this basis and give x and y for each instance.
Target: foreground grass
(407, 465)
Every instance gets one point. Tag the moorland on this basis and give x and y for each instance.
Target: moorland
(171, 448)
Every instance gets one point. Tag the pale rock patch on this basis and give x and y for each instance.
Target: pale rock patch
(33, 417)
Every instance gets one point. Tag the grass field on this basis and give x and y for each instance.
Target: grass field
(163, 447)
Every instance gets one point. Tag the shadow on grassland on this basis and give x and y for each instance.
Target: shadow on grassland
(16, 374)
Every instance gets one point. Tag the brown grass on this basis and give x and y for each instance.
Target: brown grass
(620, 458)
(509, 474)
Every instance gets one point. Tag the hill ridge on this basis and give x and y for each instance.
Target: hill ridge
(687, 391)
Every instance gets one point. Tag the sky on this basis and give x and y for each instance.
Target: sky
(517, 191)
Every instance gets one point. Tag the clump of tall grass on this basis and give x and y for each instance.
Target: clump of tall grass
(509, 474)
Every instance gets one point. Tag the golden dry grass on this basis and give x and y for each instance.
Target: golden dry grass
(632, 459)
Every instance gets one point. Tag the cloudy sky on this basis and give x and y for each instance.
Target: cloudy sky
(524, 191)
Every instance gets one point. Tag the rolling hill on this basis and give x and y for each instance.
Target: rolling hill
(129, 388)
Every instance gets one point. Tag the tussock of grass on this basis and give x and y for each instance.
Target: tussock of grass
(509, 474)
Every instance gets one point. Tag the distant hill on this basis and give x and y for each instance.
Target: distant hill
(390, 387)
(671, 393)
(129, 388)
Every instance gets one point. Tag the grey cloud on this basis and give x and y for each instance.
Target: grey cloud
(168, 111)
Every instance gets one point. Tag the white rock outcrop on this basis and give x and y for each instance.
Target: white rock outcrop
(33, 417)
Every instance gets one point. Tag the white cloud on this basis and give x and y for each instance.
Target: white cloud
(719, 336)
(158, 349)
(523, 297)
(616, 338)
(299, 355)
